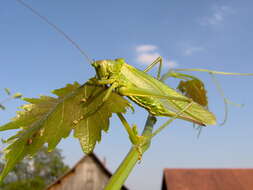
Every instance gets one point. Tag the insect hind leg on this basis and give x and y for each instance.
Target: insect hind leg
(159, 61)
(171, 120)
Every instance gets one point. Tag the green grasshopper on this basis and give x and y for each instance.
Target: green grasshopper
(146, 91)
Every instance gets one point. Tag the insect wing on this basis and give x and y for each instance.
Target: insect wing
(164, 106)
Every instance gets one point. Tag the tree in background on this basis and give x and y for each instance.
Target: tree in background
(35, 173)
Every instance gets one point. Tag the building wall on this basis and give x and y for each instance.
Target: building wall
(87, 176)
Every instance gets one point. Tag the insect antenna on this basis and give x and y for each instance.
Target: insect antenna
(56, 28)
(225, 99)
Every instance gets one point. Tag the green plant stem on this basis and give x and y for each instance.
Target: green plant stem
(119, 177)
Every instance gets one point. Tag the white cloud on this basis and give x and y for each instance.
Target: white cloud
(147, 58)
(171, 64)
(146, 54)
(188, 51)
(146, 48)
(189, 48)
(217, 17)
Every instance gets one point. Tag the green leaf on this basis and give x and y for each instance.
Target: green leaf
(88, 129)
(195, 90)
(2, 107)
(17, 95)
(7, 90)
(48, 120)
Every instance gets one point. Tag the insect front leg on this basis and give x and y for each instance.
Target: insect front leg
(159, 61)
(108, 92)
(111, 82)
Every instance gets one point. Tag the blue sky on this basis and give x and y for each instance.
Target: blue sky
(188, 34)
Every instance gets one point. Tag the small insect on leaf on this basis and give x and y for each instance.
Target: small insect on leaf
(195, 90)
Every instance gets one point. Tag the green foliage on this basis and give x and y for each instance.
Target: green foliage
(189, 86)
(7, 91)
(35, 173)
(35, 183)
(195, 90)
(2, 107)
(10, 97)
(48, 120)
(17, 95)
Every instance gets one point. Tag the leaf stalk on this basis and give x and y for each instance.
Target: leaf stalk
(132, 158)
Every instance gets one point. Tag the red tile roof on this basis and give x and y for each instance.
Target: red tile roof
(208, 179)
